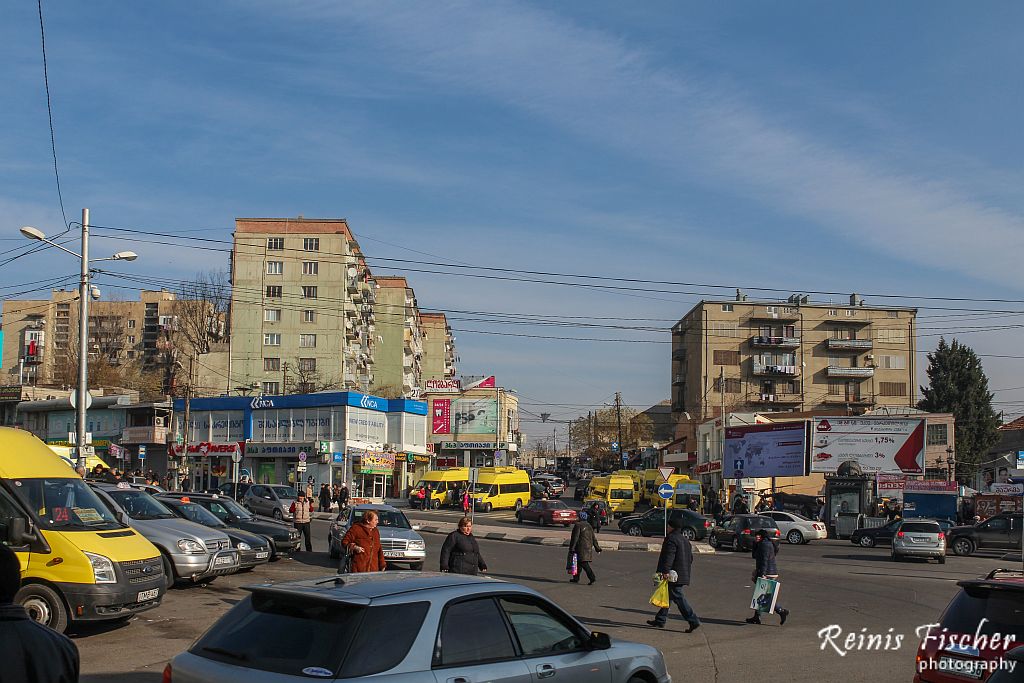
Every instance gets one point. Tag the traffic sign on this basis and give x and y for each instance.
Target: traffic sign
(301, 467)
(615, 446)
(625, 459)
(665, 491)
(302, 456)
(666, 472)
(74, 399)
(236, 455)
(142, 452)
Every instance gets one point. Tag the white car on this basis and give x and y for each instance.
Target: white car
(797, 529)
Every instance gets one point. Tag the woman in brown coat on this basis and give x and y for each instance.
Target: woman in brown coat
(362, 542)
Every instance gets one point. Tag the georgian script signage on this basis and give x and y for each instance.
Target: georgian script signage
(443, 386)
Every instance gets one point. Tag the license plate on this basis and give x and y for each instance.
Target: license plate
(145, 596)
(393, 553)
(223, 559)
(260, 556)
(969, 668)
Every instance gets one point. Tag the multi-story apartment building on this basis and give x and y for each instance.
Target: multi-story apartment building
(769, 356)
(398, 366)
(302, 299)
(41, 336)
(438, 347)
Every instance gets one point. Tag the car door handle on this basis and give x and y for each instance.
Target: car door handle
(545, 671)
(459, 679)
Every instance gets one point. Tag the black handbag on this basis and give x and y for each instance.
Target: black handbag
(345, 565)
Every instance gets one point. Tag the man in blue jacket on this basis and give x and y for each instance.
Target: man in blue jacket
(676, 556)
(764, 566)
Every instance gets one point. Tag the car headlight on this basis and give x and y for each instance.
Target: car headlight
(102, 568)
(417, 545)
(189, 546)
(242, 545)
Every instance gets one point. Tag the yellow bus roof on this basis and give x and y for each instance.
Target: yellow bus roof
(24, 456)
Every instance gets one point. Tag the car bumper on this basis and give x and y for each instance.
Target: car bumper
(919, 552)
(250, 558)
(406, 556)
(287, 546)
(198, 567)
(99, 602)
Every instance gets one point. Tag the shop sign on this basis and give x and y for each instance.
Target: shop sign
(337, 458)
(868, 445)
(376, 463)
(444, 386)
(1007, 489)
(442, 421)
(708, 467)
(10, 392)
(412, 458)
(930, 485)
(206, 448)
(446, 462)
(275, 449)
(470, 445)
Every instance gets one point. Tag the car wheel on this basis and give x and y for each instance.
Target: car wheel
(519, 517)
(942, 559)
(736, 547)
(795, 537)
(713, 541)
(168, 571)
(519, 505)
(435, 504)
(688, 533)
(543, 520)
(44, 606)
(331, 550)
(867, 542)
(963, 546)
(488, 507)
(278, 515)
(634, 530)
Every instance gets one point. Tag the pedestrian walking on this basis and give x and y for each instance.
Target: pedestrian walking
(466, 502)
(718, 510)
(343, 497)
(594, 517)
(739, 505)
(302, 515)
(30, 651)
(583, 543)
(764, 566)
(460, 553)
(362, 543)
(325, 498)
(676, 556)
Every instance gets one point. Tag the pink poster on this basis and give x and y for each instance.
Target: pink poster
(442, 416)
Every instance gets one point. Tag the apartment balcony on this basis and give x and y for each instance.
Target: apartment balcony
(853, 373)
(352, 285)
(780, 313)
(773, 398)
(775, 370)
(678, 379)
(351, 333)
(849, 344)
(849, 400)
(759, 342)
(130, 435)
(351, 312)
(679, 354)
(350, 378)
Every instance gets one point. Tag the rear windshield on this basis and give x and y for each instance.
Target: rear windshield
(762, 523)
(301, 637)
(386, 518)
(194, 512)
(285, 491)
(920, 527)
(987, 611)
(621, 494)
(554, 505)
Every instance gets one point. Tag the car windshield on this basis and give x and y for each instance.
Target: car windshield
(67, 504)
(140, 505)
(920, 527)
(554, 505)
(762, 523)
(987, 612)
(386, 518)
(489, 489)
(194, 512)
(284, 491)
(222, 507)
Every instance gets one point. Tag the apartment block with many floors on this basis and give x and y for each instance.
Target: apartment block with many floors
(399, 356)
(301, 307)
(439, 356)
(770, 356)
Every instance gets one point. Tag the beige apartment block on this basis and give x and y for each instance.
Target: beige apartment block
(302, 307)
(41, 336)
(790, 356)
(438, 347)
(399, 357)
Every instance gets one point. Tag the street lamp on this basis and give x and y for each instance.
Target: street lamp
(84, 291)
(951, 463)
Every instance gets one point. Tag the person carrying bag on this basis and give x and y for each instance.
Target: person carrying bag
(582, 544)
(766, 581)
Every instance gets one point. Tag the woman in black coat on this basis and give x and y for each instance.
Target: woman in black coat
(460, 553)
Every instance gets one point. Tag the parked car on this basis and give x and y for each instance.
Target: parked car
(738, 532)
(999, 531)
(283, 537)
(580, 490)
(398, 538)
(272, 500)
(983, 607)
(546, 512)
(919, 538)
(252, 550)
(797, 529)
(190, 551)
(234, 490)
(555, 483)
(446, 627)
(652, 523)
(879, 535)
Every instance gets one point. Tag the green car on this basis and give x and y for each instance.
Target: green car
(652, 523)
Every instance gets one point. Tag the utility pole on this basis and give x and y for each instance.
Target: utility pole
(83, 343)
(618, 421)
(284, 378)
(188, 414)
(721, 444)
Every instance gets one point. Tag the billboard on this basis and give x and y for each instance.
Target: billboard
(443, 386)
(867, 445)
(442, 422)
(765, 450)
(474, 416)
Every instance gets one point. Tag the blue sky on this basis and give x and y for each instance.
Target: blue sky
(803, 146)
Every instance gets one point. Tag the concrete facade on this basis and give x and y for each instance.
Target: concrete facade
(398, 367)
(439, 356)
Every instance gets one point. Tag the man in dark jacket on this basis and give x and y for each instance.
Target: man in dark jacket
(676, 555)
(30, 652)
(764, 566)
(460, 553)
(594, 516)
(583, 542)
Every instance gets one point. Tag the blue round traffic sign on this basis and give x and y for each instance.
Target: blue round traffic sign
(665, 490)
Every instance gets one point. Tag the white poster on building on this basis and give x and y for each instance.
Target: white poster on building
(367, 426)
(867, 445)
(772, 450)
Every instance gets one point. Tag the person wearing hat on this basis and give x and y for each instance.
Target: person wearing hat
(764, 566)
(676, 558)
(583, 542)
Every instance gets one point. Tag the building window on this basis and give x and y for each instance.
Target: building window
(893, 389)
(274, 292)
(307, 364)
(271, 364)
(310, 244)
(892, 362)
(131, 338)
(938, 435)
(272, 388)
(724, 329)
(841, 333)
(307, 341)
(835, 388)
(131, 324)
(727, 308)
(732, 385)
(309, 316)
(272, 315)
(833, 312)
(850, 312)
(889, 335)
(310, 267)
(309, 292)
(275, 244)
(895, 314)
(722, 357)
(271, 339)
(275, 267)
(772, 310)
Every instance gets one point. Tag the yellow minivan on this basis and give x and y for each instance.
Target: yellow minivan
(501, 487)
(443, 484)
(637, 478)
(652, 479)
(78, 561)
(684, 490)
(615, 490)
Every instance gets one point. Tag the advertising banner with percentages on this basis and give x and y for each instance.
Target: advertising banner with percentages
(867, 445)
(767, 450)
(442, 423)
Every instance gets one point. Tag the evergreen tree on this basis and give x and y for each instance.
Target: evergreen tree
(958, 385)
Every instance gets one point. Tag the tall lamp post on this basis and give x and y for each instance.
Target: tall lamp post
(951, 463)
(83, 321)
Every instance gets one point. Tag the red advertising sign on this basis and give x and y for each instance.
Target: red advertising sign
(448, 386)
(442, 423)
(487, 383)
(708, 467)
(207, 448)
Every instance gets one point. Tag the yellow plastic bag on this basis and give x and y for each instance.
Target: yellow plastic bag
(660, 597)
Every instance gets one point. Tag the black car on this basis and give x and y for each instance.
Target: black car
(739, 532)
(581, 489)
(283, 538)
(232, 489)
(252, 549)
(1002, 532)
(652, 523)
(879, 535)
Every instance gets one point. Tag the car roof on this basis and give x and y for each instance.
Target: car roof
(363, 588)
(373, 506)
(1012, 579)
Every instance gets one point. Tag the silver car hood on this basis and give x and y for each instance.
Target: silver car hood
(178, 528)
(396, 533)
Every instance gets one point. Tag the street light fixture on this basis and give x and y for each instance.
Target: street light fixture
(84, 291)
(951, 463)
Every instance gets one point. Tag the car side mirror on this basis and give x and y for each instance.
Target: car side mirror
(415, 527)
(600, 641)
(123, 518)
(20, 532)
(268, 498)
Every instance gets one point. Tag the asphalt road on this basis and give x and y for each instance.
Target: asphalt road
(824, 584)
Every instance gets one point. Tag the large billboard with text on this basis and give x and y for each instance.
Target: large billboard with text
(474, 416)
(765, 450)
(867, 445)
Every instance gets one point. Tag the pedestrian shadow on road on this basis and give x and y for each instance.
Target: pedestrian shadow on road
(126, 677)
(516, 577)
(650, 613)
(315, 559)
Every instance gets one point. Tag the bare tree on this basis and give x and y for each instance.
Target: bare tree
(201, 310)
(304, 378)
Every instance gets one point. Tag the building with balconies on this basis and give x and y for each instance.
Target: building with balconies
(398, 369)
(439, 357)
